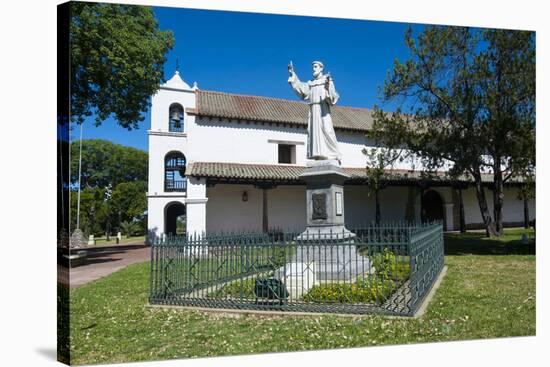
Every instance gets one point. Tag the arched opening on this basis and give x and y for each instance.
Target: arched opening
(174, 172)
(175, 219)
(175, 123)
(432, 206)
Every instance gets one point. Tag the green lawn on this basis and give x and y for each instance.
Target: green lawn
(102, 241)
(483, 295)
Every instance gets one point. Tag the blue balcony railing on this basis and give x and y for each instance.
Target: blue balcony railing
(175, 185)
(175, 126)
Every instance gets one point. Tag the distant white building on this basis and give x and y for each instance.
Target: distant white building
(231, 162)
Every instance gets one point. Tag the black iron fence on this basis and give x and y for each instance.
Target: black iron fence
(383, 269)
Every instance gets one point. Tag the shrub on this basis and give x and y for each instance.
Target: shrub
(388, 267)
(366, 290)
(401, 271)
(234, 289)
(129, 228)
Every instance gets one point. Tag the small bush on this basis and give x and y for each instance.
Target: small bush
(400, 271)
(388, 267)
(129, 228)
(233, 289)
(368, 290)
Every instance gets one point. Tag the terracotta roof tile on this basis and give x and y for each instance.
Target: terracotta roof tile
(290, 173)
(264, 109)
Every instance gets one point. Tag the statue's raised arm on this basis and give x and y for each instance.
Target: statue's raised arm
(301, 89)
(291, 74)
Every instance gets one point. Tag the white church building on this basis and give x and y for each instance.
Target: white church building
(229, 162)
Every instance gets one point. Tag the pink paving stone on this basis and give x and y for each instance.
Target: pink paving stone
(105, 263)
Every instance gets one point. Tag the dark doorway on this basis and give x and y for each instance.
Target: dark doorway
(432, 206)
(175, 219)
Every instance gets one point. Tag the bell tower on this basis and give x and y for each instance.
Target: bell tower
(171, 126)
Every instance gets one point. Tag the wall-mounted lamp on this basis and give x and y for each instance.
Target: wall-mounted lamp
(245, 196)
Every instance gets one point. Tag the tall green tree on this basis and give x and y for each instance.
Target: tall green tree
(130, 200)
(93, 210)
(104, 163)
(469, 99)
(117, 56)
(507, 75)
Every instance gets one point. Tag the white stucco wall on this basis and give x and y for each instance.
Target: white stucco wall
(358, 205)
(223, 141)
(226, 211)
(196, 202)
(361, 209)
(215, 140)
(287, 207)
(161, 141)
(160, 104)
(512, 210)
(393, 203)
(156, 208)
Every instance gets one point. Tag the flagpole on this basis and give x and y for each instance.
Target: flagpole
(79, 176)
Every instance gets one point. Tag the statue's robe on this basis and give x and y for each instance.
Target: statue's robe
(321, 142)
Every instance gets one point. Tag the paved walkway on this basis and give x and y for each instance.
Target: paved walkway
(106, 262)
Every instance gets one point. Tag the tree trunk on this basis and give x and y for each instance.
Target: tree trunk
(482, 201)
(462, 220)
(108, 232)
(377, 204)
(498, 197)
(525, 213)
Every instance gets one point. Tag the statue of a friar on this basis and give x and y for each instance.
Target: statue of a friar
(320, 95)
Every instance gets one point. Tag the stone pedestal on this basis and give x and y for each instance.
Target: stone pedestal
(326, 241)
(298, 277)
(334, 262)
(325, 202)
(77, 239)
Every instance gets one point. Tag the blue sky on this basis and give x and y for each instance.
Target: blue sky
(248, 53)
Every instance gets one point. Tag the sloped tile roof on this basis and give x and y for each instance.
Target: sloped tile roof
(274, 172)
(275, 110)
(244, 171)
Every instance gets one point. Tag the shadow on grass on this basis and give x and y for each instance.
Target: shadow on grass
(476, 243)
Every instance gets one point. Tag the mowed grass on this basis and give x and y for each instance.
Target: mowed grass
(133, 239)
(482, 296)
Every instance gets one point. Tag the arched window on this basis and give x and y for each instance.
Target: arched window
(176, 118)
(174, 172)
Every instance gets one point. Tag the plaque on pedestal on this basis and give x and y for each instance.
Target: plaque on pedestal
(325, 202)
